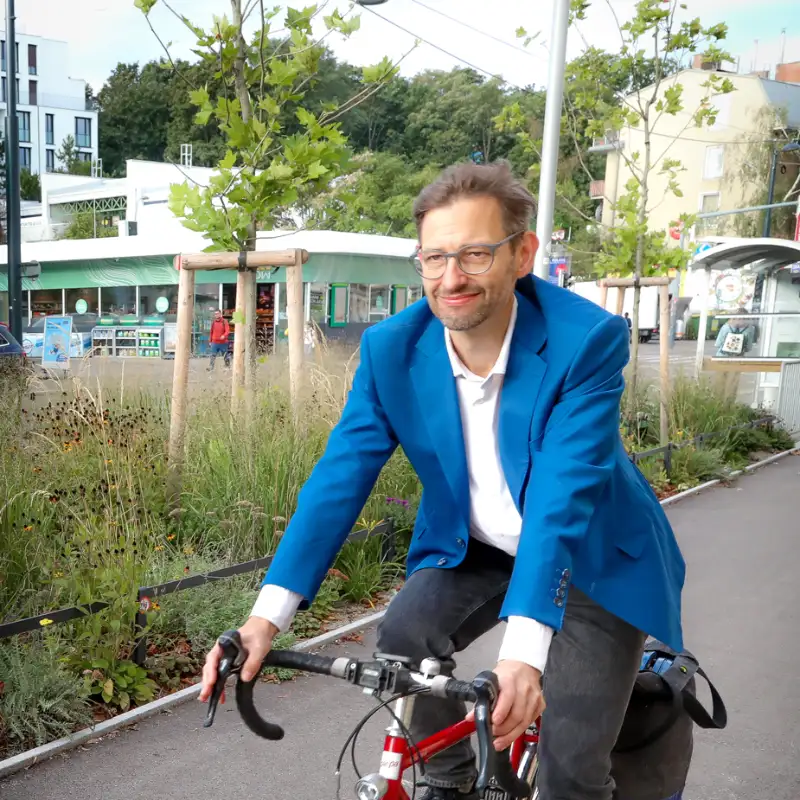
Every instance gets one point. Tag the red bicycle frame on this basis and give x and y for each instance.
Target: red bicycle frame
(398, 756)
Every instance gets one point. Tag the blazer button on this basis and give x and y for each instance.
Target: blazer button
(565, 575)
(461, 543)
(564, 583)
(441, 562)
(561, 593)
(559, 601)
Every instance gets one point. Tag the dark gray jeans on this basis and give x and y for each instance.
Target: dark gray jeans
(588, 680)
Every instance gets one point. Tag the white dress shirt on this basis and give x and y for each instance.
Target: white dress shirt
(494, 518)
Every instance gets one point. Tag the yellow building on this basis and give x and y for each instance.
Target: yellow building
(719, 161)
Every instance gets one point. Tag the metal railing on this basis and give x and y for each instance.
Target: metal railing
(147, 594)
(668, 449)
(789, 396)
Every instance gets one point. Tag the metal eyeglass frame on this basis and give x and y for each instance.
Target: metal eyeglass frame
(414, 259)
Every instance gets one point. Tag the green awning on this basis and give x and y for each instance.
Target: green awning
(159, 271)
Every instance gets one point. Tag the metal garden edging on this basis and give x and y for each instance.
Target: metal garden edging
(671, 447)
(145, 594)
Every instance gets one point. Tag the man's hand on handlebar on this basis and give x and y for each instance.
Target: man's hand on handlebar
(257, 636)
(519, 704)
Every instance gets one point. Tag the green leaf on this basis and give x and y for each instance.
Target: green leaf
(279, 171)
(381, 71)
(108, 689)
(124, 701)
(229, 160)
(316, 170)
(238, 318)
(145, 6)
(520, 33)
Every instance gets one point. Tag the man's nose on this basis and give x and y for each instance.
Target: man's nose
(453, 278)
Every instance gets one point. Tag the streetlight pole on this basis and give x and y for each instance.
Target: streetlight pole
(551, 135)
(13, 232)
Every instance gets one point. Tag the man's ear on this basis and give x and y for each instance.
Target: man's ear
(527, 251)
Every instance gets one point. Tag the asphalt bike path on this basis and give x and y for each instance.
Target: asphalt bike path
(742, 618)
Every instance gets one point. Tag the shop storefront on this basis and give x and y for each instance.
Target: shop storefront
(343, 295)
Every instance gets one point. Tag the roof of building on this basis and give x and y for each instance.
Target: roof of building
(785, 96)
(758, 254)
(182, 240)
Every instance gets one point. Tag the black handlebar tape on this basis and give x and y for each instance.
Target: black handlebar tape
(251, 717)
(460, 690)
(307, 662)
(495, 768)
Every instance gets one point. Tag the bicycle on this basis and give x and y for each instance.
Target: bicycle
(505, 775)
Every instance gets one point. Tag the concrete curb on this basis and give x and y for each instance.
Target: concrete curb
(709, 484)
(31, 757)
(47, 751)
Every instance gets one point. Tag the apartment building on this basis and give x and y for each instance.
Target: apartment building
(715, 174)
(50, 105)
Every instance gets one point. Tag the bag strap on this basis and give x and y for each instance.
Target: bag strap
(694, 708)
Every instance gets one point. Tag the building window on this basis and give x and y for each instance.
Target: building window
(50, 160)
(25, 158)
(89, 296)
(318, 302)
(33, 93)
(714, 162)
(709, 202)
(359, 303)
(83, 132)
(84, 156)
(399, 298)
(338, 296)
(49, 129)
(3, 55)
(5, 89)
(32, 66)
(378, 303)
(24, 125)
(16, 52)
(150, 295)
(118, 300)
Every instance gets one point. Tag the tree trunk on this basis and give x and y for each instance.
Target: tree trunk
(244, 334)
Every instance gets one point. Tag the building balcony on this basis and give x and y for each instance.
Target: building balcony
(597, 190)
(606, 144)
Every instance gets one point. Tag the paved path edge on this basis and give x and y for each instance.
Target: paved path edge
(46, 751)
(30, 757)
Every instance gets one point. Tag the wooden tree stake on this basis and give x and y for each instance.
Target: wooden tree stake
(294, 309)
(663, 346)
(180, 386)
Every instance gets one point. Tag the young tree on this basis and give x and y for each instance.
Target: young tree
(265, 170)
(30, 187)
(69, 156)
(657, 37)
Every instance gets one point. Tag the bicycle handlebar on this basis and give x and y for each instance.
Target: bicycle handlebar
(384, 674)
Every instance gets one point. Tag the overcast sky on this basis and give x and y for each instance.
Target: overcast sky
(102, 33)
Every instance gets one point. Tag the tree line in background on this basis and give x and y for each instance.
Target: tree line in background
(401, 136)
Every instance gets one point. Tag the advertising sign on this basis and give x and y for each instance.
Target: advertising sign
(57, 342)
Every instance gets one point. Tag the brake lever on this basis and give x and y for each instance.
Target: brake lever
(495, 768)
(233, 657)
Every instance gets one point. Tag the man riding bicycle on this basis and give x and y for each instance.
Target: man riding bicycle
(504, 393)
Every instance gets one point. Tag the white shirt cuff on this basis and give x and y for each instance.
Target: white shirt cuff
(526, 640)
(276, 604)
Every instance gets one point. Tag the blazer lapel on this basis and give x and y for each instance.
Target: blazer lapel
(435, 387)
(524, 375)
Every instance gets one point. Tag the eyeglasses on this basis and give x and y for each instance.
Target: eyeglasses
(472, 259)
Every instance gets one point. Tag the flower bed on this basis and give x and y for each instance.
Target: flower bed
(83, 519)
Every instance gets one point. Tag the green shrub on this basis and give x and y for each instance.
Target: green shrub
(117, 683)
(39, 700)
(691, 466)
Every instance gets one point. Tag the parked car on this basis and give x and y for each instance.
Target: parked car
(11, 353)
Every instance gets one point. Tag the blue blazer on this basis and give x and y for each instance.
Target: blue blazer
(589, 517)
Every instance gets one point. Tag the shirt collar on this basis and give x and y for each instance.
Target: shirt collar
(499, 368)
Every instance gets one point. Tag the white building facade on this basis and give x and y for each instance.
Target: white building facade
(50, 105)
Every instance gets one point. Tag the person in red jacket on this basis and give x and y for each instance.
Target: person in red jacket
(218, 338)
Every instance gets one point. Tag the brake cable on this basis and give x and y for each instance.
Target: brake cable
(353, 738)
